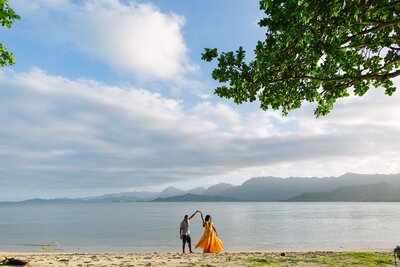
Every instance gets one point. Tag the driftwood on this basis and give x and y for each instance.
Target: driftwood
(13, 262)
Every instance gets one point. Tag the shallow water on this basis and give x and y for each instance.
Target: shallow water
(142, 227)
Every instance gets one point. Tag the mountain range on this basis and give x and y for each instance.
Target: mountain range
(375, 193)
(348, 187)
(196, 198)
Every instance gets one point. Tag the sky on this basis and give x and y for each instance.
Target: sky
(112, 96)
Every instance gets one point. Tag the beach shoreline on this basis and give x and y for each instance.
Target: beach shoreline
(243, 258)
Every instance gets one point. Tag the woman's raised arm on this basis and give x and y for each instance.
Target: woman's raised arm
(202, 218)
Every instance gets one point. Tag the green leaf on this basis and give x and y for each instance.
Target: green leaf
(287, 68)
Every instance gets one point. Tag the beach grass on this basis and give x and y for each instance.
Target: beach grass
(327, 259)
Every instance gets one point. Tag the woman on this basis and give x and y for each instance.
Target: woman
(209, 242)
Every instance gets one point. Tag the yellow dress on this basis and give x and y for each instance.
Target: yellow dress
(209, 242)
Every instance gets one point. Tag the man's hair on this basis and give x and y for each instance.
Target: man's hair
(186, 216)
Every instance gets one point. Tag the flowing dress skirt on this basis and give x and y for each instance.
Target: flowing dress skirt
(209, 242)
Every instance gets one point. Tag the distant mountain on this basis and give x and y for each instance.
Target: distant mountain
(280, 189)
(349, 179)
(170, 192)
(375, 192)
(217, 189)
(197, 191)
(54, 201)
(123, 197)
(195, 198)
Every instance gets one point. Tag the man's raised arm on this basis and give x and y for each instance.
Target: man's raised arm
(193, 214)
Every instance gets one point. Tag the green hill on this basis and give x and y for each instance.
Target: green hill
(362, 193)
(195, 198)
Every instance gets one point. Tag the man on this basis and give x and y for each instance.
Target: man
(184, 232)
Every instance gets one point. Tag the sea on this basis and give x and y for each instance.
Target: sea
(242, 226)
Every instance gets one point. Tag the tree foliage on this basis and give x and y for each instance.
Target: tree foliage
(7, 18)
(316, 51)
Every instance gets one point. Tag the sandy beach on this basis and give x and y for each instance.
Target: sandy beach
(297, 258)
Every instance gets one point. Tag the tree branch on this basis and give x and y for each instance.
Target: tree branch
(369, 76)
(379, 41)
(393, 4)
(378, 22)
(379, 27)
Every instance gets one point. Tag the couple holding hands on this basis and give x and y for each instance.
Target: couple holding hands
(209, 242)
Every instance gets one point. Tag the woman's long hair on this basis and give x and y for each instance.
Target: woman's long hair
(207, 218)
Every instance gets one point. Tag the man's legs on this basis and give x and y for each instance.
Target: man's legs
(189, 241)
(184, 238)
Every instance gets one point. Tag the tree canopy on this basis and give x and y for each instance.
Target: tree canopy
(7, 18)
(315, 51)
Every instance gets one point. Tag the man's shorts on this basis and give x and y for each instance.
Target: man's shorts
(186, 239)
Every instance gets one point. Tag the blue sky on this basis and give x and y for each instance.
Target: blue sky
(111, 95)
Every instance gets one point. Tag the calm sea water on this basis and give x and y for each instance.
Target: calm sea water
(142, 227)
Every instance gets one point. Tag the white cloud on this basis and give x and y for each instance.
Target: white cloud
(136, 38)
(222, 116)
(80, 136)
